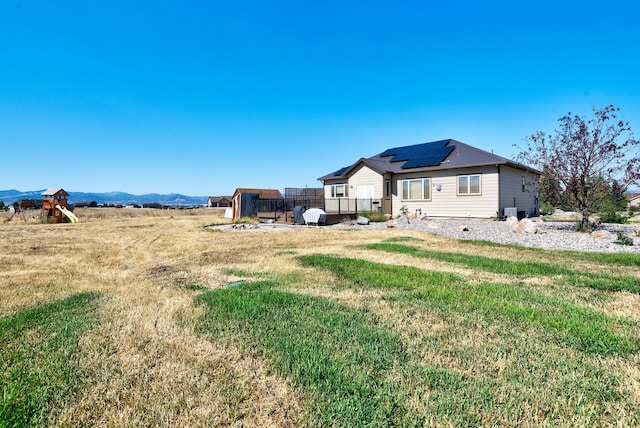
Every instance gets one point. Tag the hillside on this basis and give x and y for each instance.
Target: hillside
(10, 196)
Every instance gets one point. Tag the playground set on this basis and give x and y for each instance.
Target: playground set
(55, 206)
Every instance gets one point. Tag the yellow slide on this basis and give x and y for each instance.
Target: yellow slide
(68, 213)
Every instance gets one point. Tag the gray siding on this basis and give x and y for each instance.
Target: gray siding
(512, 194)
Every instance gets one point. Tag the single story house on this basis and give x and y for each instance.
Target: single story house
(219, 201)
(251, 202)
(444, 178)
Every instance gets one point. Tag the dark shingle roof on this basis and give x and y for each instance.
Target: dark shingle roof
(436, 155)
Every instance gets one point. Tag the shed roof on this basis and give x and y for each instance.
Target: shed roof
(264, 193)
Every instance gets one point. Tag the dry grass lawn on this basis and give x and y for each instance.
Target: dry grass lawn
(144, 363)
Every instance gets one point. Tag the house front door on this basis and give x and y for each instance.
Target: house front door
(364, 194)
(386, 201)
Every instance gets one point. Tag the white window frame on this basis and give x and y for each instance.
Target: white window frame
(345, 190)
(468, 178)
(425, 183)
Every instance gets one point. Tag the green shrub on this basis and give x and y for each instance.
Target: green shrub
(546, 208)
(375, 216)
(583, 227)
(623, 239)
(612, 217)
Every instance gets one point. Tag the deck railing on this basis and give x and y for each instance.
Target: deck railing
(351, 206)
(274, 208)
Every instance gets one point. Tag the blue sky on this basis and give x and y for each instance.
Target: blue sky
(201, 97)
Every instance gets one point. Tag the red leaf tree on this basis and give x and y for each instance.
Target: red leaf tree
(581, 153)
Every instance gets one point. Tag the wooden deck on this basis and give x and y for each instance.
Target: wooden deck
(287, 217)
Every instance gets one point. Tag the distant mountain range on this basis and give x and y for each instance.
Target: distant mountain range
(115, 198)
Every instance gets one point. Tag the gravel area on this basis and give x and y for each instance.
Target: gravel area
(550, 235)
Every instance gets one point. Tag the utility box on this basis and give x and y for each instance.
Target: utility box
(511, 212)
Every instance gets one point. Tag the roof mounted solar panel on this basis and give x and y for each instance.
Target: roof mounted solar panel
(420, 155)
(434, 158)
(341, 171)
(402, 154)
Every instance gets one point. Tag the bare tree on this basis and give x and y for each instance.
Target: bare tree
(582, 152)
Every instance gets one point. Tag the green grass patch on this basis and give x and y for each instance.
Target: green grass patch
(622, 259)
(242, 273)
(530, 269)
(603, 281)
(329, 351)
(582, 328)
(354, 370)
(192, 287)
(286, 253)
(404, 239)
(516, 268)
(370, 275)
(39, 355)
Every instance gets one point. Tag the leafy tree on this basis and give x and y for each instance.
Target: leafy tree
(582, 153)
(550, 189)
(617, 196)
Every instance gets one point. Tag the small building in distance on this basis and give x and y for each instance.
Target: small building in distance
(86, 204)
(252, 202)
(219, 201)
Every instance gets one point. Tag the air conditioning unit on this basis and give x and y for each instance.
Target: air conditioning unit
(511, 212)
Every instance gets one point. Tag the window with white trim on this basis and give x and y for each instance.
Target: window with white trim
(469, 184)
(416, 189)
(339, 190)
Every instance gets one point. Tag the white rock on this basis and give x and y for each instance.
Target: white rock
(363, 221)
(512, 221)
(526, 226)
(402, 220)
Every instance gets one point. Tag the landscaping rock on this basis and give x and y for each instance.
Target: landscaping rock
(403, 219)
(432, 225)
(602, 234)
(526, 226)
(512, 222)
(363, 221)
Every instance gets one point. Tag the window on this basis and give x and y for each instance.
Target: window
(339, 191)
(387, 188)
(469, 184)
(523, 183)
(417, 189)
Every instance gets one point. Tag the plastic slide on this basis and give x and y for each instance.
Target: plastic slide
(68, 213)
